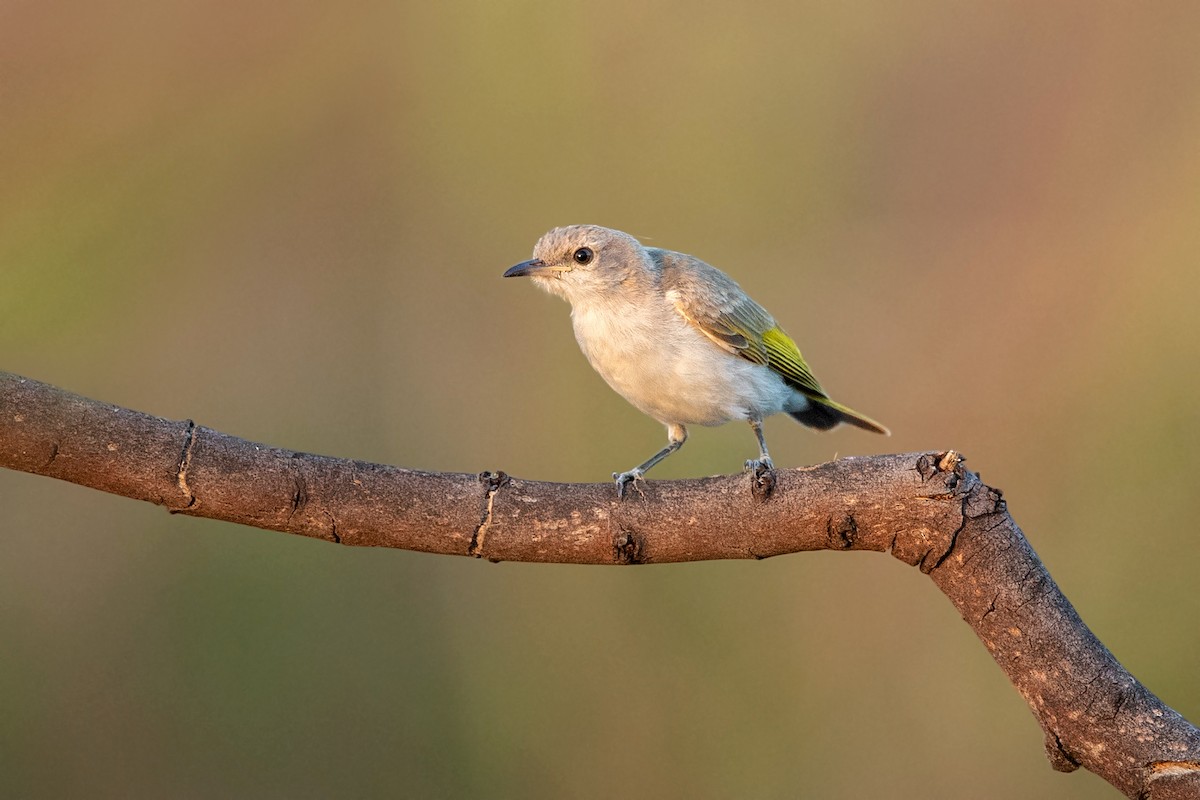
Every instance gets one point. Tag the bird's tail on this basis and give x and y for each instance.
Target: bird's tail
(823, 413)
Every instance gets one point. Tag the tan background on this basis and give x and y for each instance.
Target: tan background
(288, 222)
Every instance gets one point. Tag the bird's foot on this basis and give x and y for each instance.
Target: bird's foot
(759, 465)
(764, 477)
(623, 479)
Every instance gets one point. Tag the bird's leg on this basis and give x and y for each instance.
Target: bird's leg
(676, 436)
(763, 483)
(763, 462)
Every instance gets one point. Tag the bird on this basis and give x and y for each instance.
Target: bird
(678, 339)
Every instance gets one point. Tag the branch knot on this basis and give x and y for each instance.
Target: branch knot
(492, 482)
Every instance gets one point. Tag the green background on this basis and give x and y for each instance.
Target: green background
(288, 222)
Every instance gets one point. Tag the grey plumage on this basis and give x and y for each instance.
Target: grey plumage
(678, 338)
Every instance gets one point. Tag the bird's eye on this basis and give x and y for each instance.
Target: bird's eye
(584, 255)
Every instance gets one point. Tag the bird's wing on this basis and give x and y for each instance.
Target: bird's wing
(784, 357)
(710, 300)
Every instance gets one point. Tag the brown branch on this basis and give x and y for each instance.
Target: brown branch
(925, 509)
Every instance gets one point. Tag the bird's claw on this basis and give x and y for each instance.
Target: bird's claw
(759, 465)
(763, 483)
(623, 479)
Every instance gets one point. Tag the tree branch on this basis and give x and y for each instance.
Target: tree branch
(925, 509)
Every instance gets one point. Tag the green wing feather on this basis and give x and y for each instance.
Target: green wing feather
(784, 357)
(717, 306)
(710, 300)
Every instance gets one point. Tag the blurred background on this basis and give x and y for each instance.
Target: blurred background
(288, 222)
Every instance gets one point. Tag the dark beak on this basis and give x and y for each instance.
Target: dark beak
(525, 268)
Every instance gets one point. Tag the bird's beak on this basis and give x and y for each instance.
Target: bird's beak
(533, 267)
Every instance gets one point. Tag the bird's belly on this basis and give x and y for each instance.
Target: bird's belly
(681, 377)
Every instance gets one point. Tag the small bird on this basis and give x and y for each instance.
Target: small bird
(678, 339)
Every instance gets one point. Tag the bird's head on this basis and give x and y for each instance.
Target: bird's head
(580, 262)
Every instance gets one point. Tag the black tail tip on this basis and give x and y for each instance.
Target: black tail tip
(823, 417)
(817, 416)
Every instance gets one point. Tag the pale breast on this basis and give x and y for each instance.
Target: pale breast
(670, 371)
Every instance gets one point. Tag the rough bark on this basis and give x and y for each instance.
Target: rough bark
(925, 509)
